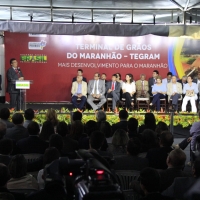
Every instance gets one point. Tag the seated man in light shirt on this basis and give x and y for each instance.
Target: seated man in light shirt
(174, 91)
(79, 90)
(96, 90)
(167, 80)
(190, 90)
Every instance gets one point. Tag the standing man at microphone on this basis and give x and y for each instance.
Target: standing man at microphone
(14, 73)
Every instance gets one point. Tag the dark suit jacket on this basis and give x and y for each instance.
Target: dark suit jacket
(180, 81)
(32, 144)
(16, 133)
(157, 157)
(120, 125)
(70, 145)
(8, 123)
(128, 162)
(117, 87)
(12, 76)
(151, 83)
(5, 159)
(84, 79)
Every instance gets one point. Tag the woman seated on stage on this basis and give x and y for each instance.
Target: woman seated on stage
(159, 91)
(128, 89)
(190, 90)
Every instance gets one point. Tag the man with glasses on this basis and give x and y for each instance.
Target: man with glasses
(96, 90)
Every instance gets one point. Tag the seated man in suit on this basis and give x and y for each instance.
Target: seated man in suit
(113, 91)
(32, 144)
(103, 78)
(142, 87)
(152, 81)
(79, 90)
(79, 73)
(96, 90)
(174, 91)
(157, 156)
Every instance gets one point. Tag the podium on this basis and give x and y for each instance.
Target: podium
(22, 86)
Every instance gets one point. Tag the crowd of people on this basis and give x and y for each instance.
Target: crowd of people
(148, 149)
(99, 90)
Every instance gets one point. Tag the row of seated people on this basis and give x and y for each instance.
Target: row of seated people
(132, 148)
(160, 89)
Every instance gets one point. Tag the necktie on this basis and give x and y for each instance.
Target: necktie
(17, 73)
(113, 86)
(95, 87)
(142, 86)
(154, 81)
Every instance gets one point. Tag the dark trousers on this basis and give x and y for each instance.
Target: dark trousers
(127, 98)
(156, 100)
(15, 100)
(78, 105)
(175, 100)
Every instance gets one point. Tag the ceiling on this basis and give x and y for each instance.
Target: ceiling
(123, 11)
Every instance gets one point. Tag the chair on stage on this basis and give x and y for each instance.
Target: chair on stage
(163, 104)
(123, 100)
(109, 103)
(142, 103)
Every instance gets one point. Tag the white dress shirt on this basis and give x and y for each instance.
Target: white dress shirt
(129, 87)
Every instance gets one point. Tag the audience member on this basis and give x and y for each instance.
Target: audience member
(105, 128)
(119, 143)
(6, 148)
(90, 127)
(123, 124)
(32, 144)
(150, 184)
(47, 131)
(50, 155)
(18, 131)
(131, 161)
(28, 115)
(57, 142)
(160, 127)
(77, 116)
(149, 122)
(51, 116)
(5, 115)
(2, 129)
(100, 116)
(133, 128)
(182, 184)
(69, 145)
(157, 156)
(19, 177)
(76, 130)
(4, 178)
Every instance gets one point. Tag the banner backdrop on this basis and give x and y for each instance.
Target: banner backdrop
(51, 61)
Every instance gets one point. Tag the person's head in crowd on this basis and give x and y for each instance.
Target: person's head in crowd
(100, 116)
(189, 79)
(33, 128)
(114, 77)
(155, 74)
(50, 155)
(142, 77)
(4, 113)
(103, 76)
(158, 80)
(90, 127)
(62, 129)
(79, 72)
(18, 166)
(96, 140)
(149, 180)
(79, 79)
(29, 114)
(6, 146)
(105, 128)
(150, 121)
(51, 116)
(196, 167)
(56, 141)
(3, 128)
(166, 139)
(184, 79)
(120, 138)
(96, 76)
(18, 119)
(174, 79)
(77, 116)
(176, 158)
(134, 146)
(118, 76)
(160, 127)
(123, 115)
(169, 76)
(132, 125)
(129, 78)
(76, 129)
(47, 131)
(149, 140)
(4, 175)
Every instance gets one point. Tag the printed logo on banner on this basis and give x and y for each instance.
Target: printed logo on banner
(37, 45)
(33, 58)
(36, 35)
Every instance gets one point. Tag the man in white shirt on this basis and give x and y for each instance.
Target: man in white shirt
(96, 90)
